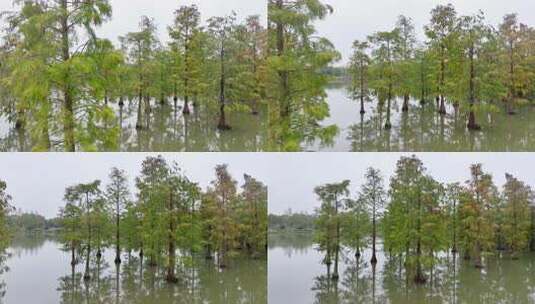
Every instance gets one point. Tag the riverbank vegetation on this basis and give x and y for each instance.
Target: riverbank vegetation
(65, 88)
(420, 220)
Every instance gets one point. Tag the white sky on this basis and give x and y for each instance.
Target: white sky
(356, 19)
(127, 13)
(37, 181)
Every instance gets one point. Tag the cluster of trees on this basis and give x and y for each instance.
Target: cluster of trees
(419, 218)
(31, 222)
(5, 209)
(58, 80)
(170, 220)
(295, 81)
(291, 221)
(465, 61)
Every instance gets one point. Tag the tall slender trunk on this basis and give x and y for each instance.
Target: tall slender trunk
(117, 234)
(419, 278)
(68, 103)
(512, 93)
(171, 277)
(472, 125)
(337, 242)
(442, 107)
(362, 111)
(283, 74)
(374, 233)
(186, 110)
(222, 125)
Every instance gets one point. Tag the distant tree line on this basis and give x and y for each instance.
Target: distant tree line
(62, 84)
(31, 222)
(291, 222)
(419, 218)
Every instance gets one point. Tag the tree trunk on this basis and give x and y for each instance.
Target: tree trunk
(222, 125)
(117, 235)
(171, 277)
(283, 75)
(374, 236)
(68, 103)
(405, 107)
(472, 125)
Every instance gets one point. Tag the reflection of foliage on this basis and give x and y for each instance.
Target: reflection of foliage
(135, 282)
(422, 128)
(3, 269)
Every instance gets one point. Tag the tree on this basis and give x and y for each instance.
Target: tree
(518, 198)
(414, 223)
(384, 43)
(442, 31)
(222, 194)
(118, 198)
(184, 32)
(359, 72)
(252, 216)
(140, 48)
(222, 28)
(477, 215)
(355, 226)
(296, 86)
(89, 198)
(473, 33)
(372, 195)
(405, 49)
(328, 225)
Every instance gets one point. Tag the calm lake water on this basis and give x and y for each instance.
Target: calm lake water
(170, 131)
(423, 129)
(39, 272)
(296, 275)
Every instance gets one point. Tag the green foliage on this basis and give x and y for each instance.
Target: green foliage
(5, 209)
(59, 81)
(295, 83)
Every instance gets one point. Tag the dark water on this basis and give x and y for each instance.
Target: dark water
(39, 272)
(169, 131)
(422, 129)
(296, 275)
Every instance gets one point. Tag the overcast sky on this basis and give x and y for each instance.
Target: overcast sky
(300, 173)
(37, 181)
(354, 19)
(127, 13)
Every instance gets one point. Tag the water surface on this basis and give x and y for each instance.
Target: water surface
(296, 275)
(166, 130)
(39, 272)
(423, 129)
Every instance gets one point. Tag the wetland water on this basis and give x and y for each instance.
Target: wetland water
(39, 272)
(296, 275)
(169, 131)
(422, 129)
